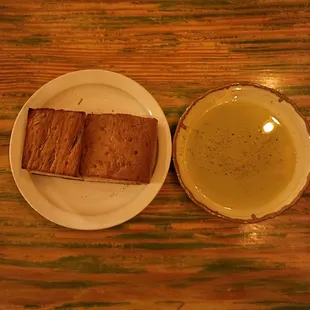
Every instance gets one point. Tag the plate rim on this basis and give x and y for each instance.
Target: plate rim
(180, 125)
(167, 152)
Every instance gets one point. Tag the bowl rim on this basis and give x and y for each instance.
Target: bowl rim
(180, 125)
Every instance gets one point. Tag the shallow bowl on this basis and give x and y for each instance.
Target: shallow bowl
(281, 107)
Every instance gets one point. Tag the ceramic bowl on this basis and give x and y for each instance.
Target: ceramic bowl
(281, 107)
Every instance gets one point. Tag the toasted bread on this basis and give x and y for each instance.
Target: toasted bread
(119, 148)
(53, 142)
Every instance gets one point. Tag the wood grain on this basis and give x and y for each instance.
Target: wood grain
(173, 255)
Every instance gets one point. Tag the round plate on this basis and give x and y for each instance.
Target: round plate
(89, 205)
(282, 108)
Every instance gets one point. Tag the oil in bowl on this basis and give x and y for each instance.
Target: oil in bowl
(240, 155)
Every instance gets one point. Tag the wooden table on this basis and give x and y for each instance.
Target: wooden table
(173, 255)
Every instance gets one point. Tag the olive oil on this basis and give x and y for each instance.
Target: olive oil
(240, 155)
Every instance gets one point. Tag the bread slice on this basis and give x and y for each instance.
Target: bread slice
(119, 148)
(53, 142)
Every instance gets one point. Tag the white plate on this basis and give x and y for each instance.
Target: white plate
(87, 205)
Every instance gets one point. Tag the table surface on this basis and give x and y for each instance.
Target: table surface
(173, 255)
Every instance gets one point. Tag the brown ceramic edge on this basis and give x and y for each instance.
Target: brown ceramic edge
(188, 192)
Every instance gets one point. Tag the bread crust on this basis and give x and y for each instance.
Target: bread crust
(53, 142)
(119, 147)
